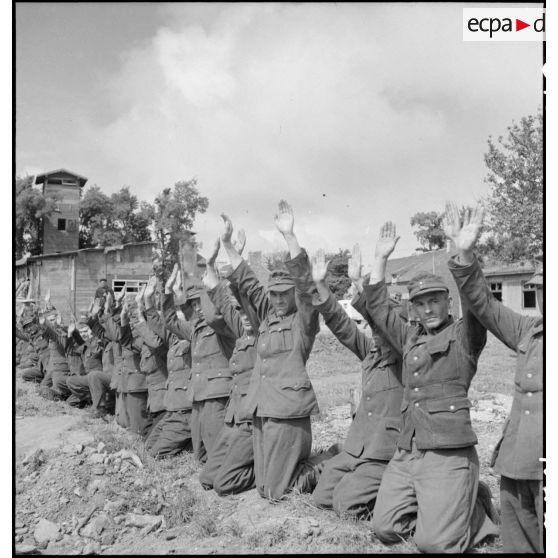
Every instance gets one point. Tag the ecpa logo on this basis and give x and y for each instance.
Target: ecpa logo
(503, 24)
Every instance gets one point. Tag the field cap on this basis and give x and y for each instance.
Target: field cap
(26, 320)
(280, 281)
(426, 283)
(193, 292)
(83, 319)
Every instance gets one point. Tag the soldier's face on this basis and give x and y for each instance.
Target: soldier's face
(197, 311)
(432, 309)
(85, 333)
(246, 323)
(283, 301)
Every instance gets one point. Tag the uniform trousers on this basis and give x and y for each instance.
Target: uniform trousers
(59, 383)
(134, 414)
(170, 435)
(281, 446)
(208, 418)
(349, 484)
(229, 468)
(521, 503)
(79, 386)
(31, 373)
(99, 387)
(434, 493)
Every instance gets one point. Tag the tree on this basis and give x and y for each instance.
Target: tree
(515, 202)
(430, 231)
(337, 276)
(275, 260)
(173, 216)
(31, 208)
(118, 219)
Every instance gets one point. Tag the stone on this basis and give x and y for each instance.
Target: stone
(98, 469)
(96, 458)
(36, 458)
(92, 548)
(118, 519)
(114, 505)
(100, 447)
(69, 449)
(18, 524)
(108, 538)
(21, 531)
(46, 531)
(64, 500)
(25, 549)
(77, 492)
(79, 448)
(144, 521)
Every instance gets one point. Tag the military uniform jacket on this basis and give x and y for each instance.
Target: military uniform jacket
(179, 365)
(243, 357)
(279, 385)
(133, 379)
(437, 371)
(153, 364)
(36, 348)
(518, 452)
(212, 344)
(109, 326)
(90, 352)
(377, 423)
(107, 358)
(58, 344)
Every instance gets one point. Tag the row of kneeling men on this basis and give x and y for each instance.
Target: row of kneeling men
(219, 368)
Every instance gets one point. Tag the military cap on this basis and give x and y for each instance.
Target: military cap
(424, 283)
(82, 321)
(26, 320)
(193, 292)
(280, 281)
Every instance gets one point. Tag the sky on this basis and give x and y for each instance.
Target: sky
(354, 113)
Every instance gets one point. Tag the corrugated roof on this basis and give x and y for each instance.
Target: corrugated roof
(106, 249)
(40, 178)
(405, 268)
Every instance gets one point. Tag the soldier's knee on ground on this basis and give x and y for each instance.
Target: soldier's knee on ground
(385, 531)
(428, 546)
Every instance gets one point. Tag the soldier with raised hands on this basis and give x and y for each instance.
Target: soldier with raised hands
(431, 483)
(518, 456)
(212, 343)
(230, 465)
(280, 396)
(350, 481)
(90, 348)
(171, 434)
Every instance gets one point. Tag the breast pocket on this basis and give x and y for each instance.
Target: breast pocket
(280, 338)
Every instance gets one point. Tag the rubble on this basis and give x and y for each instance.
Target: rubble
(46, 531)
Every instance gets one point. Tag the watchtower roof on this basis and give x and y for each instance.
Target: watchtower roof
(41, 178)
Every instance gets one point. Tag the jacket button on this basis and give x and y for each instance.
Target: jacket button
(368, 398)
(529, 375)
(415, 373)
(369, 414)
(263, 375)
(415, 357)
(417, 404)
(416, 389)
(529, 394)
(197, 374)
(452, 407)
(527, 412)
(279, 329)
(219, 374)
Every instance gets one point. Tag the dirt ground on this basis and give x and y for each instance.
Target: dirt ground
(84, 486)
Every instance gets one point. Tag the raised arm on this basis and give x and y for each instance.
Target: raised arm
(377, 298)
(284, 221)
(507, 325)
(335, 317)
(181, 328)
(221, 298)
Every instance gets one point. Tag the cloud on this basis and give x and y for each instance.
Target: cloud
(355, 113)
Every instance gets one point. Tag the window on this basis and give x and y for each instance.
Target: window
(132, 285)
(61, 224)
(496, 289)
(529, 296)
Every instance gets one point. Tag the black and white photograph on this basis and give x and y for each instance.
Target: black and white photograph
(278, 278)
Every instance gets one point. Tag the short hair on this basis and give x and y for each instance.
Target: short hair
(102, 279)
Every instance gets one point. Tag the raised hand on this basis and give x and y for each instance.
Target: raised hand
(47, 297)
(177, 287)
(319, 267)
(226, 235)
(118, 297)
(240, 241)
(355, 264)
(95, 307)
(71, 328)
(139, 298)
(171, 280)
(463, 232)
(58, 319)
(387, 241)
(214, 254)
(149, 290)
(284, 218)
(42, 318)
(108, 302)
